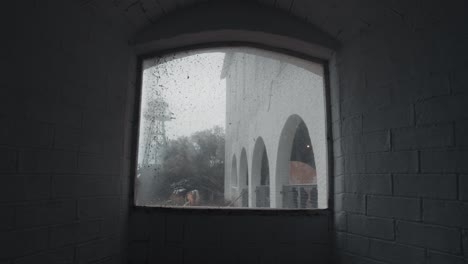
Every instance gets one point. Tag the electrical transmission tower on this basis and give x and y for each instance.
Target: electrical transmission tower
(156, 115)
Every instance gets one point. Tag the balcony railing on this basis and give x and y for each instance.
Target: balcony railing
(300, 196)
(263, 196)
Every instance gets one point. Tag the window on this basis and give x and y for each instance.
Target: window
(232, 127)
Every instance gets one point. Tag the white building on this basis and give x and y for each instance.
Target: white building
(268, 96)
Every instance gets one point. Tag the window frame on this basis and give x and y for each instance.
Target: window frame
(135, 129)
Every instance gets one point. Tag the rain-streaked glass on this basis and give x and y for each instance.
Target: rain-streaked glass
(232, 128)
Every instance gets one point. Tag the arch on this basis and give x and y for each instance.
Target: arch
(259, 161)
(221, 23)
(295, 152)
(243, 178)
(234, 171)
(302, 169)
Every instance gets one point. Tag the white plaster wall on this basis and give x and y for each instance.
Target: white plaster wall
(263, 90)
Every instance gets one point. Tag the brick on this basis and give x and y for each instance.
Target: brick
(340, 240)
(444, 161)
(357, 245)
(441, 109)
(446, 213)
(7, 217)
(68, 115)
(465, 242)
(28, 133)
(414, 138)
(20, 243)
(354, 164)
(461, 133)
(339, 184)
(368, 183)
(335, 114)
(388, 162)
(256, 233)
(338, 148)
(157, 230)
(463, 187)
(394, 207)
(434, 85)
(395, 253)
(46, 161)
(140, 225)
(376, 141)
(339, 166)
(254, 230)
(318, 253)
(353, 144)
(95, 164)
(458, 81)
(199, 231)
(35, 161)
(84, 185)
(24, 187)
(371, 226)
(112, 225)
(434, 237)
(388, 117)
(64, 162)
(167, 254)
(341, 257)
(67, 138)
(97, 250)
(303, 230)
(369, 142)
(351, 125)
(93, 208)
(421, 88)
(354, 203)
(138, 252)
(60, 256)
(340, 221)
(174, 229)
(439, 258)
(8, 160)
(45, 213)
(338, 202)
(336, 130)
(74, 233)
(442, 186)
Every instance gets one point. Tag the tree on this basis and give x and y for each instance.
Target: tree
(195, 162)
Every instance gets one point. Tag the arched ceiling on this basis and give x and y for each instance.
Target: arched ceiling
(340, 19)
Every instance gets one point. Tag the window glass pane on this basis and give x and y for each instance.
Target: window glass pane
(232, 127)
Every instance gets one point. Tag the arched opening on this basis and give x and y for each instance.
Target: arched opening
(243, 180)
(260, 189)
(296, 171)
(233, 177)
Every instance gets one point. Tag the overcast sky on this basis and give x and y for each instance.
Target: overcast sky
(193, 89)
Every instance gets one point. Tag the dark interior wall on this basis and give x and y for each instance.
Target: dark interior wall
(220, 236)
(400, 136)
(63, 193)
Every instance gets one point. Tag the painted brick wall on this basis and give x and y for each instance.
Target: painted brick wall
(63, 193)
(216, 236)
(401, 158)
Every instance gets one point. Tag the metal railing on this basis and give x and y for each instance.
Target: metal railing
(263, 196)
(300, 196)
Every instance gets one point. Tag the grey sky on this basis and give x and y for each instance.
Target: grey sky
(192, 88)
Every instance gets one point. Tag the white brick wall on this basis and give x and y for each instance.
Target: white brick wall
(405, 195)
(61, 135)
